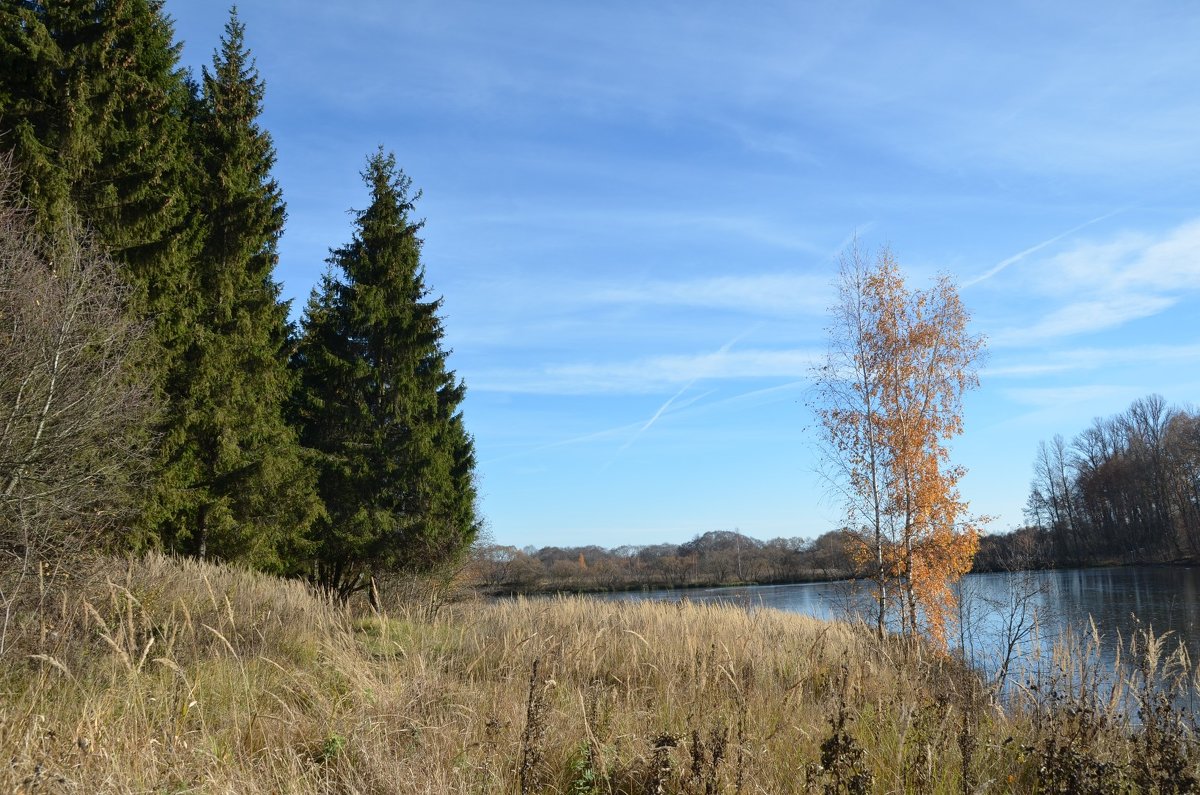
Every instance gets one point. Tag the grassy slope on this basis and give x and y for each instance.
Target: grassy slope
(167, 676)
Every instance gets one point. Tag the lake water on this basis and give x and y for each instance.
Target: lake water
(1041, 608)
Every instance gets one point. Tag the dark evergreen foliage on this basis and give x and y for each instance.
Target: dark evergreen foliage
(378, 403)
(174, 177)
(94, 108)
(235, 484)
(93, 104)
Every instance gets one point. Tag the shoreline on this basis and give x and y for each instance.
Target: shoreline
(656, 587)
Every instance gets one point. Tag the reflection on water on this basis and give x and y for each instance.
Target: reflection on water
(1048, 604)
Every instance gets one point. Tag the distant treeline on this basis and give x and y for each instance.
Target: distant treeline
(720, 557)
(1125, 490)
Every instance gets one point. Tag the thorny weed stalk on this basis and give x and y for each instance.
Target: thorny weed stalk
(707, 757)
(1164, 739)
(535, 731)
(660, 765)
(1108, 715)
(842, 766)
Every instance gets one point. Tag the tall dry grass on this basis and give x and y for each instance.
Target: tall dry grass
(169, 676)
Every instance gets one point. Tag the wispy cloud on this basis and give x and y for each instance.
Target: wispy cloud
(1100, 286)
(649, 375)
(661, 409)
(1083, 359)
(1015, 258)
(694, 406)
(773, 294)
(595, 436)
(530, 310)
(762, 223)
(757, 397)
(1063, 407)
(654, 418)
(1082, 317)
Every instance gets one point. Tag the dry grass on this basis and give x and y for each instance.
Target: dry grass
(166, 676)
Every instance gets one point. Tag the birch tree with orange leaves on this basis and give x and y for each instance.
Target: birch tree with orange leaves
(889, 400)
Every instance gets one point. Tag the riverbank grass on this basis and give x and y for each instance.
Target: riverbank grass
(168, 676)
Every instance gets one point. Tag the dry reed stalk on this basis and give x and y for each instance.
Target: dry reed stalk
(193, 677)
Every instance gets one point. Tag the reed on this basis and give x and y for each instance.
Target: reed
(160, 675)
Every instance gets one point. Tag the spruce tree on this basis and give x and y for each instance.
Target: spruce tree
(235, 486)
(378, 404)
(94, 108)
(93, 104)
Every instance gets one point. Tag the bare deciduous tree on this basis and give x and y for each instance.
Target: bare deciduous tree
(73, 417)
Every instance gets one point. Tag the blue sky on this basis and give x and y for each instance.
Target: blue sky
(634, 213)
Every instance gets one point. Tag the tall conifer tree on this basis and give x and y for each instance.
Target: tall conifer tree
(93, 103)
(378, 403)
(238, 488)
(94, 107)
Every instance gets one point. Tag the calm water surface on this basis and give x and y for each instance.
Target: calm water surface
(1050, 604)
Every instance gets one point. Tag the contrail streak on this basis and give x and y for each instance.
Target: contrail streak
(1032, 249)
(723, 349)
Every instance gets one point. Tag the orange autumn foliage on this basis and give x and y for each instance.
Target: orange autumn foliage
(890, 400)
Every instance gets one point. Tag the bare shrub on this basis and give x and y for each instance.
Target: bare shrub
(72, 414)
